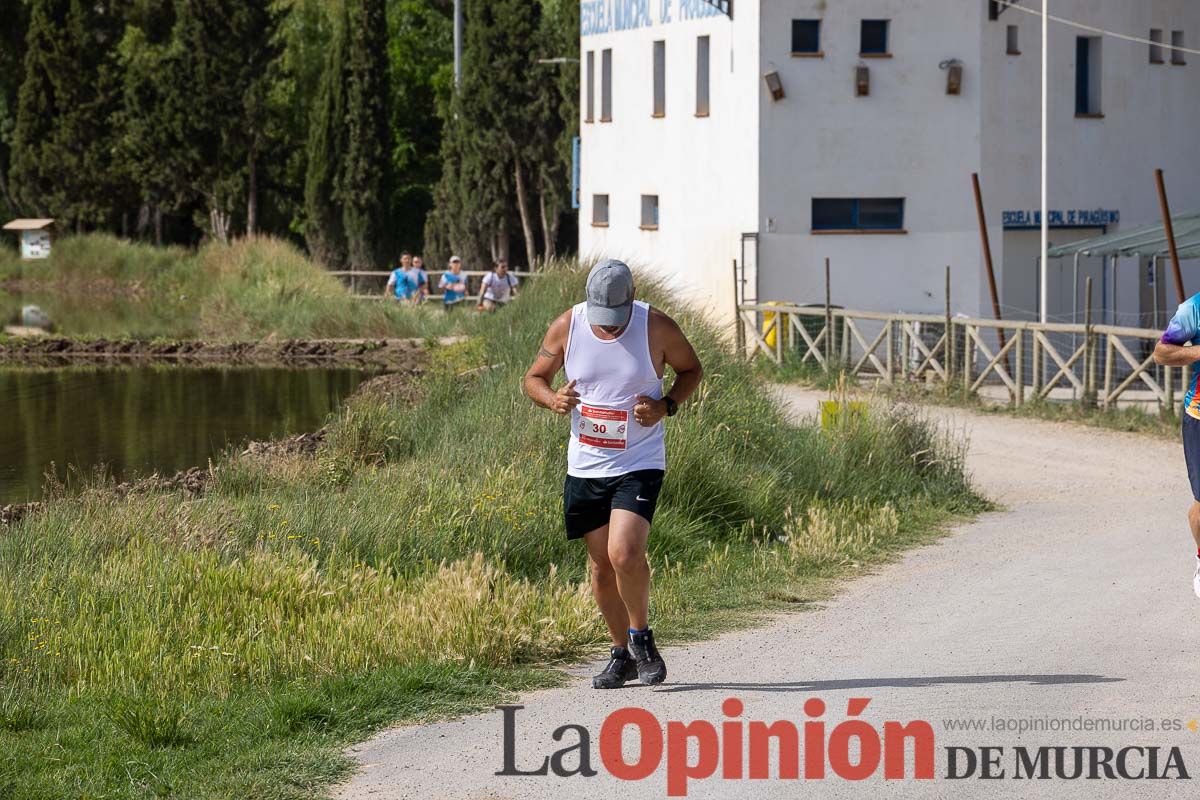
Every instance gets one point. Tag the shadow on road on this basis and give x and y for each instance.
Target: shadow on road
(892, 683)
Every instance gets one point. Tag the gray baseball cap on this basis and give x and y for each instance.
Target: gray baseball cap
(609, 294)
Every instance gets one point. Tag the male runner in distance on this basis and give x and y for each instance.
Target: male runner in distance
(614, 351)
(1173, 350)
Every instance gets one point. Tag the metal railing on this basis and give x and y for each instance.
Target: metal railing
(1014, 360)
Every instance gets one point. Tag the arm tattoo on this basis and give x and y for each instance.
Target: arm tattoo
(544, 353)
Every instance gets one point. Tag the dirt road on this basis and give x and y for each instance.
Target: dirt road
(1072, 607)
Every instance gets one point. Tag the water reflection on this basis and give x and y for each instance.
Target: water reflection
(136, 420)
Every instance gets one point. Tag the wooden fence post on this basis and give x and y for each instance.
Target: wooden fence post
(830, 345)
(739, 331)
(1109, 365)
(1038, 355)
(891, 368)
(948, 350)
(1019, 375)
(1169, 391)
(968, 347)
(1089, 346)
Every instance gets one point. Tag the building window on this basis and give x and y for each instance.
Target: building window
(806, 37)
(590, 102)
(858, 214)
(606, 86)
(1014, 41)
(1156, 43)
(874, 38)
(703, 46)
(600, 210)
(649, 212)
(1087, 76)
(660, 79)
(1177, 45)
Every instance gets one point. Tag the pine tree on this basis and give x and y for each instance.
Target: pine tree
(508, 129)
(557, 113)
(307, 35)
(224, 52)
(152, 119)
(64, 133)
(326, 143)
(12, 69)
(421, 52)
(364, 180)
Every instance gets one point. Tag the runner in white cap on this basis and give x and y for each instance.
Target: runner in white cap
(614, 351)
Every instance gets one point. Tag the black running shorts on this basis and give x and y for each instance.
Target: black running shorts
(1191, 452)
(588, 502)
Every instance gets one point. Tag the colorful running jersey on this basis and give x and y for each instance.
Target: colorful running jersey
(1183, 328)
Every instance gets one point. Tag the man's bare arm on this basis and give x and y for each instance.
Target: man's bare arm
(549, 360)
(680, 356)
(1175, 355)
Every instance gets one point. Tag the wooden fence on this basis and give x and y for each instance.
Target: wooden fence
(1094, 364)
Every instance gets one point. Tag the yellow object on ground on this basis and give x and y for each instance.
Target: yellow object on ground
(770, 329)
(838, 412)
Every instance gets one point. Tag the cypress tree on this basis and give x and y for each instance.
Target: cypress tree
(363, 179)
(12, 70)
(421, 52)
(64, 134)
(502, 125)
(223, 54)
(152, 118)
(326, 142)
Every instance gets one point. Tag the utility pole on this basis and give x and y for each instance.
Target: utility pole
(1044, 310)
(458, 42)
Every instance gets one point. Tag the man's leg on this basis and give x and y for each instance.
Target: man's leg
(604, 587)
(627, 534)
(1194, 522)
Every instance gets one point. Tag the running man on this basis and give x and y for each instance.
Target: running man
(614, 350)
(453, 284)
(403, 283)
(1173, 350)
(498, 287)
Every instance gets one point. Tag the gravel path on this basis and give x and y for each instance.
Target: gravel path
(1074, 603)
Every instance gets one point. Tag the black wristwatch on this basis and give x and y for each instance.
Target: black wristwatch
(672, 406)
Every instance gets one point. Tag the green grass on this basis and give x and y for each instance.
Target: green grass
(100, 286)
(416, 567)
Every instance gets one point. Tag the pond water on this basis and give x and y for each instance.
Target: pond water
(137, 420)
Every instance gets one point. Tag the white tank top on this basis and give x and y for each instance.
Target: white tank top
(609, 374)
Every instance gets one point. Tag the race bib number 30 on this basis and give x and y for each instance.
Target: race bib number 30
(603, 427)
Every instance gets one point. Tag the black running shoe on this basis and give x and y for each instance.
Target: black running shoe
(621, 668)
(650, 666)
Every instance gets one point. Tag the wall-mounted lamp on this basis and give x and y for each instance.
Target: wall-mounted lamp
(862, 81)
(774, 84)
(954, 75)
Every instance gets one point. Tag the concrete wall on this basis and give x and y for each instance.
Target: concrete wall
(704, 170)
(1151, 115)
(908, 138)
(755, 164)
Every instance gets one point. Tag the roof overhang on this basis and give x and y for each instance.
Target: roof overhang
(28, 224)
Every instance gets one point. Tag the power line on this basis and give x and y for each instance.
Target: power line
(1093, 29)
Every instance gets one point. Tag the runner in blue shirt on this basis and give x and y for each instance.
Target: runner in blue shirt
(453, 284)
(1175, 350)
(404, 282)
(422, 279)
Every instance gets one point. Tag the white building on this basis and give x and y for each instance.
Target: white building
(790, 131)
